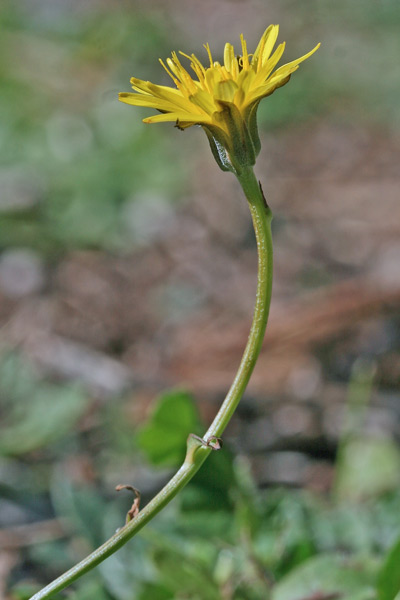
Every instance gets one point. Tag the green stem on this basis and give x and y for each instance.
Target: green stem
(196, 451)
(262, 217)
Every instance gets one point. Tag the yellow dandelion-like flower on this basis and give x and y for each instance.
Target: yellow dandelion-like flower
(223, 99)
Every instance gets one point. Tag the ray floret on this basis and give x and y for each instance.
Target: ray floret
(222, 98)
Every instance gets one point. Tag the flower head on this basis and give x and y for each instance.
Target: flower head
(222, 98)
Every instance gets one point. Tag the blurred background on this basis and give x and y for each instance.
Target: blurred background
(127, 282)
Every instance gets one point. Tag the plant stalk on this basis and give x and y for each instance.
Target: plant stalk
(197, 452)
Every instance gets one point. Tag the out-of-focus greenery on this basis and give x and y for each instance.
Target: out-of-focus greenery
(222, 538)
(35, 413)
(73, 160)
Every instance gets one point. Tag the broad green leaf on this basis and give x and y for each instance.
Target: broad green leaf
(325, 575)
(163, 438)
(389, 577)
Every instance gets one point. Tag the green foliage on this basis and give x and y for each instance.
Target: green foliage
(24, 591)
(91, 589)
(163, 438)
(327, 576)
(389, 576)
(75, 159)
(222, 534)
(366, 466)
(37, 413)
(369, 466)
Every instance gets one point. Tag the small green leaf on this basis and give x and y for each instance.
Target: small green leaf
(389, 577)
(163, 438)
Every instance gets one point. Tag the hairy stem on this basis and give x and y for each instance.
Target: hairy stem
(197, 452)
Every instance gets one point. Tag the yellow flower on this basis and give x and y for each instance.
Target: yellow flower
(223, 99)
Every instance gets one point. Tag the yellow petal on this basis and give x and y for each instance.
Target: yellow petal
(195, 65)
(245, 55)
(239, 98)
(262, 91)
(226, 90)
(269, 44)
(145, 100)
(265, 45)
(245, 79)
(174, 79)
(177, 116)
(204, 101)
(175, 97)
(230, 61)
(210, 58)
(180, 72)
(289, 67)
(268, 67)
(213, 77)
